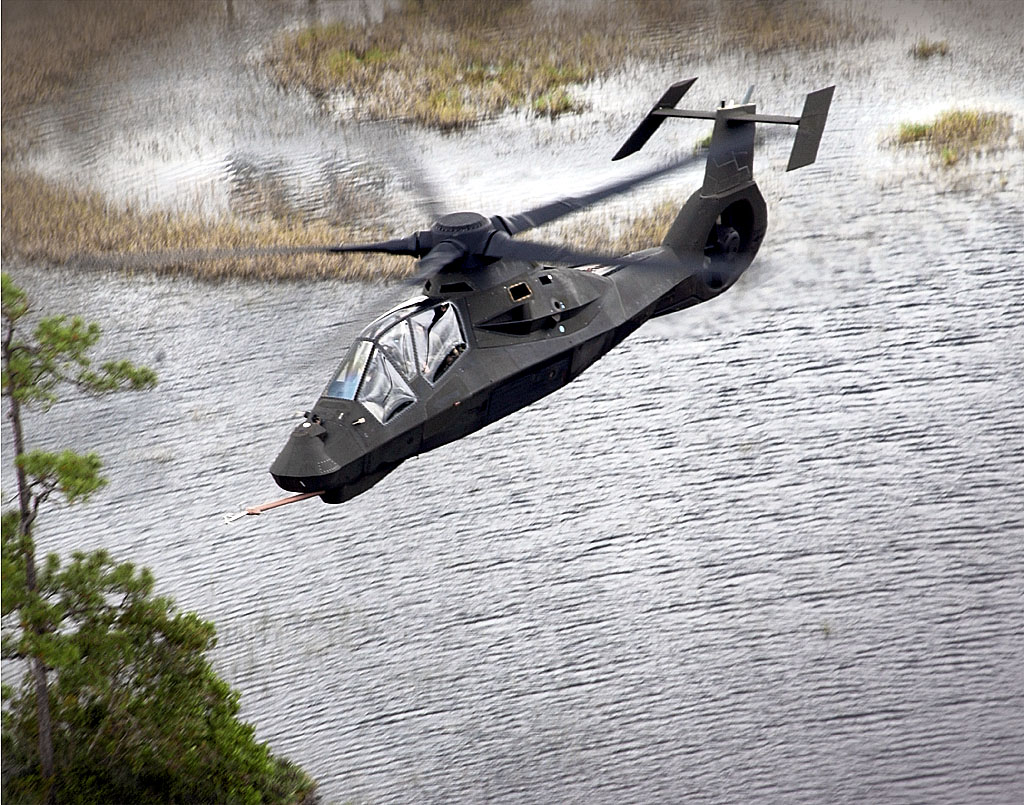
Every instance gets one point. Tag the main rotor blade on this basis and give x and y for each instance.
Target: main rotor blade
(545, 214)
(564, 255)
(416, 245)
(169, 257)
(443, 254)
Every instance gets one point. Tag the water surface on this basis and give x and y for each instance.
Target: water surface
(770, 549)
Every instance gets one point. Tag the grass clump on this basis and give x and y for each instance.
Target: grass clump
(555, 103)
(924, 49)
(913, 132)
(958, 133)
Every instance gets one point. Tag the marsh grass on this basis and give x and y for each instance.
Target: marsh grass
(760, 28)
(555, 103)
(958, 133)
(598, 232)
(47, 43)
(44, 222)
(443, 63)
(448, 64)
(924, 49)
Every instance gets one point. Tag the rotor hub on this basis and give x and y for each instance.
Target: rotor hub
(458, 223)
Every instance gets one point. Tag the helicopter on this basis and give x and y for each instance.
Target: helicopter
(500, 322)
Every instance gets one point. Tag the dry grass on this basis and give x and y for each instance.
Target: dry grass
(52, 224)
(598, 233)
(58, 225)
(47, 43)
(449, 64)
(924, 49)
(768, 27)
(958, 133)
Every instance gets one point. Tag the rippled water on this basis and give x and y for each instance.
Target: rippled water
(769, 549)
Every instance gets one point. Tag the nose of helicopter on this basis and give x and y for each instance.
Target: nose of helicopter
(304, 465)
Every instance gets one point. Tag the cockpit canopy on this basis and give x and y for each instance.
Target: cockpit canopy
(397, 353)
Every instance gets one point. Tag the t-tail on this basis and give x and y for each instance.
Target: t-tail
(722, 224)
(731, 152)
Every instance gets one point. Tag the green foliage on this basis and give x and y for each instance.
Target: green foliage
(58, 353)
(75, 476)
(138, 713)
(119, 703)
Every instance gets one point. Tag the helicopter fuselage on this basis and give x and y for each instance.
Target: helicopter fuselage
(498, 327)
(468, 353)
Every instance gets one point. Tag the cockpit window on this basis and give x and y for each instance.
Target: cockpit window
(439, 339)
(397, 344)
(384, 393)
(346, 381)
(415, 341)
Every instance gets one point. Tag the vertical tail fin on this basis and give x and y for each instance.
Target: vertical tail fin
(810, 127)
(650, 124)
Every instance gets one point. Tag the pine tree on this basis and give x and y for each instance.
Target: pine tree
(119, 702)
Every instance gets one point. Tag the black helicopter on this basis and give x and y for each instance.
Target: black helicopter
(501, 322)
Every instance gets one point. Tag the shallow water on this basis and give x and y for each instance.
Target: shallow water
(771, 548)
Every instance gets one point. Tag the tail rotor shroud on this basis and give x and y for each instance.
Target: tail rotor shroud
(723, 223)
